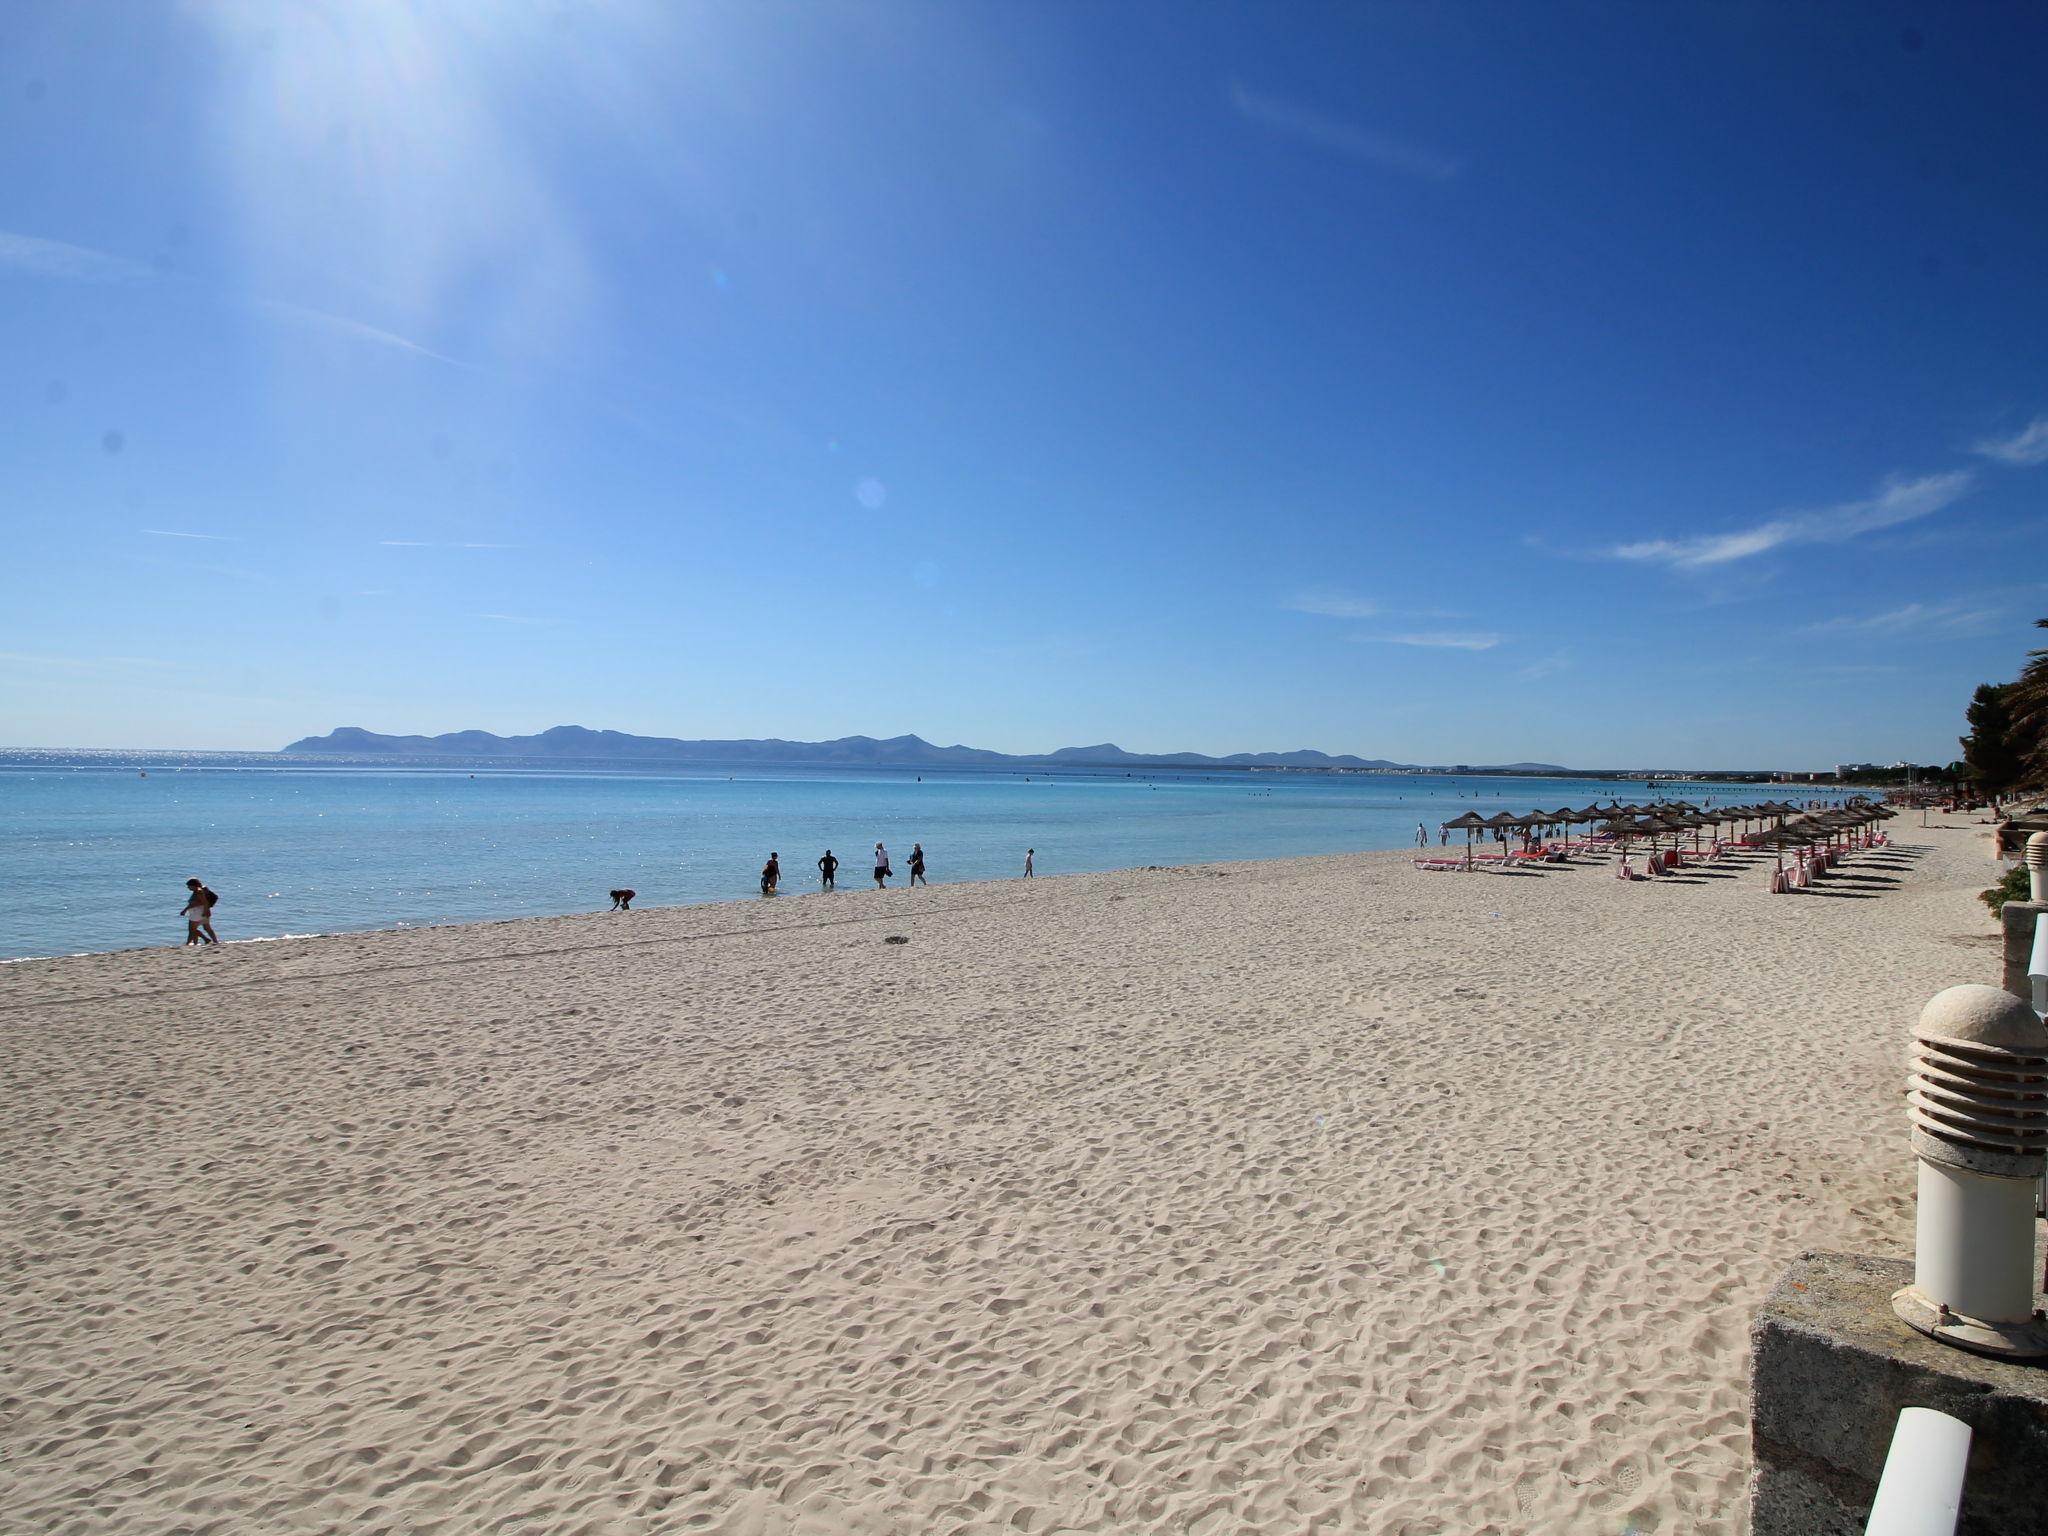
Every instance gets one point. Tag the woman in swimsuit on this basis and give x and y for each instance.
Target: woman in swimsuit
(198, 915)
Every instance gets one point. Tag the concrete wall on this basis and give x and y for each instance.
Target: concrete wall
(1830, 1368)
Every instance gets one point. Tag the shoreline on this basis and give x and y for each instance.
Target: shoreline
(328, 851)
(1275, 1195)
(1400, 855)
(737, 903)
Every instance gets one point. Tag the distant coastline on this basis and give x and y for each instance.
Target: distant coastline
(577, 744)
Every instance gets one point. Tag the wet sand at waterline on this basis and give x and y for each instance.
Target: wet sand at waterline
(1320, 1194)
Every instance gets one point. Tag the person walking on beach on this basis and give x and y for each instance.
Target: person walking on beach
(917, 864)
(827, 867)
(1421, 835)
(1443, 835)
(771, 874)
(1029, 855)
(881, 868)
(198, 915)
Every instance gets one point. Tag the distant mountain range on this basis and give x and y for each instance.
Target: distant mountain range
(577, 742)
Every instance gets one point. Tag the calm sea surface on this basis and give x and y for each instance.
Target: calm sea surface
(96, 848)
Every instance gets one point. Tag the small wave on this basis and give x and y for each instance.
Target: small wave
(136, 949)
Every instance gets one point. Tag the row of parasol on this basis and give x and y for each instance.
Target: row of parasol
(1785, 826)
(1820, 838)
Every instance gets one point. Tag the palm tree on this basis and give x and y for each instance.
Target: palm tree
(2026, 701)
(1993, 750)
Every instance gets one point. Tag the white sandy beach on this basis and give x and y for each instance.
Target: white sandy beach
(1317, 1195)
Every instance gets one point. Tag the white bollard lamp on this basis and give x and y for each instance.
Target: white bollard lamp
(1978, 1101)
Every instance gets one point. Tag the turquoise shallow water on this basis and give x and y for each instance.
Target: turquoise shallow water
(98, 854)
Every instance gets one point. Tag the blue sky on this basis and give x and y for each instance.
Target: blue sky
(1602, 384)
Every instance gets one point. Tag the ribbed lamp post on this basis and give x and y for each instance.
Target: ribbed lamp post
(1978, 1101)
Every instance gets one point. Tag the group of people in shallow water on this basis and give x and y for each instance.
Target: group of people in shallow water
(828, 870)
(828, 873)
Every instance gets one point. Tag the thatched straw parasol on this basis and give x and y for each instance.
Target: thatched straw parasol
(1625, 828)
(1471, 821)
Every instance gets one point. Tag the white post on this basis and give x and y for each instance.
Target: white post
(1978, 1101)
(2037, 973)
(2037, 867)
(2037, 968)
(1921, 1490)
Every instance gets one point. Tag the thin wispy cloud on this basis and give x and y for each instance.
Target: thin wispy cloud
(2026, 447)
(77, 663)
(511, 618)
(1448, 640)
(1547, 666)
(174, 533)
(38, 257)
(439, 544)
(1961, 616)
(1343, 605)
(1896, 502)
(352, 330)
(232, 572)
(1333, 605)
(1351, 141)
(72, 263)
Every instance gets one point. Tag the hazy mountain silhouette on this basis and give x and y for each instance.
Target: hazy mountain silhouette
(575, 741)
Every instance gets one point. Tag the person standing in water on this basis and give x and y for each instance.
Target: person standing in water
(1421, 835)
(198, 915)
(881, 868)
(917, 864)
(1029, 855)
(771, 874)
(827, 867)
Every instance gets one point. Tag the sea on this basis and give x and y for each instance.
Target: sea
(96, 847)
